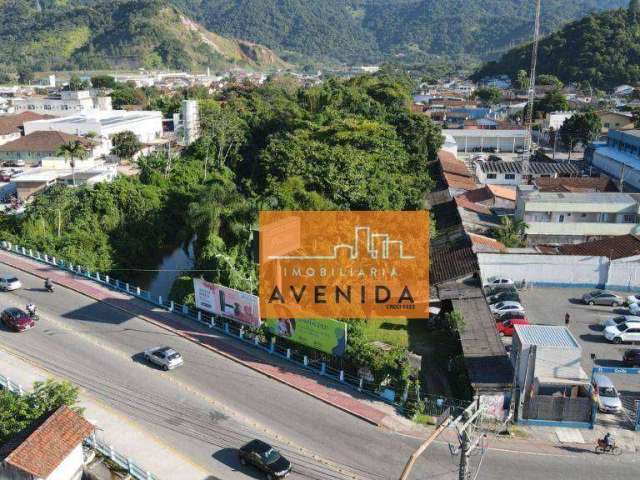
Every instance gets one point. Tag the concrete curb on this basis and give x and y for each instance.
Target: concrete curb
(211, 348)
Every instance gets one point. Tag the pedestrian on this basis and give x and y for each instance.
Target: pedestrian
(567, 317)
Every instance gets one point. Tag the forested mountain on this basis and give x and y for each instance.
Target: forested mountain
(371, 30)
(603, 49)
(127, 34)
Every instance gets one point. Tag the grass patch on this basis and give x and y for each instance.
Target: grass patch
(423, 419)
(388, 330)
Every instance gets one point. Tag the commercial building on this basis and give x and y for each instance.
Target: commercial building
(510, 173)
(12, 126)
(619, 157)
(146, 125)
(557, 217)
(62, 105)
(40, 145)
(476, 140)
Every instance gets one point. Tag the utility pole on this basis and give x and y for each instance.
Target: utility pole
(423, 447)
(469, 418)
(531, 96)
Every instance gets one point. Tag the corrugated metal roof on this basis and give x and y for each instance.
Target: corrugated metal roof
(536, 168)
(546, 336)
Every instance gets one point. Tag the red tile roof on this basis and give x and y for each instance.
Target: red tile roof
(502, 192)
(462, 202)
(42, 141)
(50, 443)
(478, 195)
(485, 242)
(613, 247)
(11, 123)
(576, 184)
(455, 172)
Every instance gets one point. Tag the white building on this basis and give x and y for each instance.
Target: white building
(556, 119)
(474, 140)
(563, 217)
(146, 125)
(619, 157)
(65, 104)
(510, 173)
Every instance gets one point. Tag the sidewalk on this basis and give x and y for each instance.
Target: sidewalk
(328, 391)
(125, 436)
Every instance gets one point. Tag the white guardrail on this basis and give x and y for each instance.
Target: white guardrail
(104, 448)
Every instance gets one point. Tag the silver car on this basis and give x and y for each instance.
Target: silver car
(8, 283)
(165, 357)
(605, 394)
(602, 297)
(608, 322)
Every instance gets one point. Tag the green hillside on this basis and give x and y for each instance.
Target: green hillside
(603, 49)
(127, 34)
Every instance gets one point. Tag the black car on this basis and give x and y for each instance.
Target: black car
(507, 296)
(490, 291)
(266, 458)
(501, 317)
(631, 358)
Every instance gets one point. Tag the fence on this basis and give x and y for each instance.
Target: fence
(104, 448)
(559, 409)
(231, 328)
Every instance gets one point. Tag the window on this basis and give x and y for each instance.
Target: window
(629, 218)
(583, 215)
(31, 107)
(561, 218)
(509, 176)
(606, 125)
(47, 107)
(491, 175)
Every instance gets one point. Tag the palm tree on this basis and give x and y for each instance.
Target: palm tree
(511, 232)
(72, 150)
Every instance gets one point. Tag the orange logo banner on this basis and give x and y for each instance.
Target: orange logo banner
(344, 264)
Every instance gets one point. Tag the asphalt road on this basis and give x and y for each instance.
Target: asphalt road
(211, 405)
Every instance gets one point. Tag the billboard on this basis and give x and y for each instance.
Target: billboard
(239, 306)
(329, 336)
(344, 264)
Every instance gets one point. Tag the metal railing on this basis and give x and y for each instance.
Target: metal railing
(104, 448)
(228, 327)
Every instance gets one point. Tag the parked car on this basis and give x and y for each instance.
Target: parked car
(624, 332)
(165, 357)
(605, 394)
(502, 307)
(633, 299)
(8, 283)
(266, 458)
(5, 175)
(505, 328)
(608, 322)
(602, 297)
(17, 163)
(494, 158)
(17, 319)
(631, 358)
(634, 309)
(498, 281)
(501, 317)
(507, 295)
(490, 291)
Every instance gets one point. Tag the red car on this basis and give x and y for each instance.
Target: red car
(505, 328)
(17, 319)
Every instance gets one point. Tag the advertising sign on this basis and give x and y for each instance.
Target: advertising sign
(344, 264)
(239, 306)
(329, 336)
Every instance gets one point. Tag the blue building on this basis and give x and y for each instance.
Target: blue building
(619, 157)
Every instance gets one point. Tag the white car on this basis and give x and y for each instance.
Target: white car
(503, 307)
(633, 299)
(498, 281)
(165, 357)
(608, 322)
(625, 332)
(634, 309)
(9, 283)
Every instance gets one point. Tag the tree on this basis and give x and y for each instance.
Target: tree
(125, 145)
(488, 95)
(636, 117)
(75, 83)
(580, 128)
(456, 322)
(25, 75)
(103, 81)
(70, 151)
(522, 80)
(17, 412)
(550, 80)
(634, 10)
(553, 101)
(222, 133)
(511, 233)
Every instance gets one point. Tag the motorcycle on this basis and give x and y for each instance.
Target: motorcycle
(604, 447)
(48, 287)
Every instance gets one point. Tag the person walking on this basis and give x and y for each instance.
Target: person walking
(567, 318)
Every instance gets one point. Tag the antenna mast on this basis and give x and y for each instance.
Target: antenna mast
(531, 96)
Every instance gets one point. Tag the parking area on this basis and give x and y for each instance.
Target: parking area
(548, 306)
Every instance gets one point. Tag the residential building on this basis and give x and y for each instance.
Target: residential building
(146, 125)
(12, 126)
(457, 176)
(546, 360)
(601, 183)
(64, 104)
(477, 140)
(612, 120)
(555, 120)
(557, 217)
(37, 146)
(619, 157)
(510, 173)
(48, 449)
